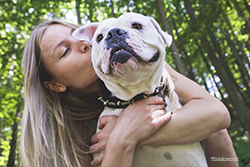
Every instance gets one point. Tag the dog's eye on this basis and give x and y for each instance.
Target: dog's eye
(99, 38)
(137, 26)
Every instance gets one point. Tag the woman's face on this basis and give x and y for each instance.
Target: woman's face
(67, 59)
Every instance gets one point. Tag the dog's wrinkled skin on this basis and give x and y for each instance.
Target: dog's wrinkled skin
(128, 54)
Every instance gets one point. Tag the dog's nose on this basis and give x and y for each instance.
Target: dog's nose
(116, 33)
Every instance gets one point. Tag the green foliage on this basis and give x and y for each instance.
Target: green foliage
(226, 20)
(242, 148)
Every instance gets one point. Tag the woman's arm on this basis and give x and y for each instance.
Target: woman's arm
(219, 145)
(131, 128)
(201, 115)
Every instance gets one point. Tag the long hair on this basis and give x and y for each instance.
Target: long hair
(53, 131)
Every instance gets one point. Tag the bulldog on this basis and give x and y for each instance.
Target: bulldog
(128, 54)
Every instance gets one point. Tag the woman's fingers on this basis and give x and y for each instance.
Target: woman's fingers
(158, 113)
(97, 161)
(106, 124)
(162, 119)
(157, 123)
(93, 149)
(110, 120)
(154, 100)
(99, 140)
(94, 139)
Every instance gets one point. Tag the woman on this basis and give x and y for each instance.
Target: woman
(61, 89)
(53, 131)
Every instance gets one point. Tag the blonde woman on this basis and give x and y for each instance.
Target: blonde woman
(61, 107)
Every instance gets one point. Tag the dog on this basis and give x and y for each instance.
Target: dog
(128, 54)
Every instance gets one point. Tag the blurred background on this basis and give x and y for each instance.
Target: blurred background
(211, 46)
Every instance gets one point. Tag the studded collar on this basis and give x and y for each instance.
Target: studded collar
(114, 102)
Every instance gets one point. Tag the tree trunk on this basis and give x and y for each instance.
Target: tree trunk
(12, 154)
(239, 58)
(247, 6)
(241, 65)
(221, 58)
(226, 101)
(79, 20)
(166, 27)
(112, 9)
(241, 14)
(1, 135)
(13, 143)
(190, 73)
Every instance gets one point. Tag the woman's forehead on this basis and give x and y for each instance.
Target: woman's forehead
(54, 34)
(57, 30)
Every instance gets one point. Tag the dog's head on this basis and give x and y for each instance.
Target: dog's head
(128, 54)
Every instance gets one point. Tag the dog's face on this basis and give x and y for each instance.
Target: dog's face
(129, 52)
(122, 45)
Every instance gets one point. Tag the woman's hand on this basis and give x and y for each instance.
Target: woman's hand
(99, 140)
(137, 122)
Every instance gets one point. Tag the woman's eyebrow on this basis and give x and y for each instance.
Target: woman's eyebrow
(57, 46)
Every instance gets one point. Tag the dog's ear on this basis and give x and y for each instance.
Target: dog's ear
(165, 36)
(86, 32)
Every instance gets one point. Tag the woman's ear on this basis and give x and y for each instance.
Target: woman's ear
(55, 86)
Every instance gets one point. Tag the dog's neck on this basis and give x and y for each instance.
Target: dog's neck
(114, 102)
(140, 82)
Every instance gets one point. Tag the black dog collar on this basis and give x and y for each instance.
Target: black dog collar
(114, 102)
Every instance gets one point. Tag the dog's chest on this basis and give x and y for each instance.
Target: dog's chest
(170, 156)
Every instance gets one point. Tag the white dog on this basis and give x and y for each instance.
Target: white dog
(128, 55)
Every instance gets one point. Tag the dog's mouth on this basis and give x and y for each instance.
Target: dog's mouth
(121, 55)
(124, 59)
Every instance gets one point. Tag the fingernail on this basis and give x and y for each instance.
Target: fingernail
(165, 104)
(171, 112)
(164, 100)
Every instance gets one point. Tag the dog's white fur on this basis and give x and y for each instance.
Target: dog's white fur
(125, 80)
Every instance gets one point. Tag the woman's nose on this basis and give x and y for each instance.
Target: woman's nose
(84, 46)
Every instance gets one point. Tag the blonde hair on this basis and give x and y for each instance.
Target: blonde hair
(53, 132)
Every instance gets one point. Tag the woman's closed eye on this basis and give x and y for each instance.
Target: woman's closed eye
(65, 52)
